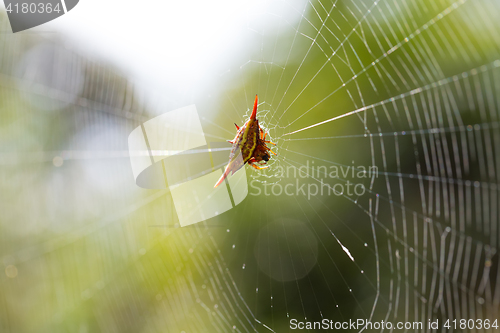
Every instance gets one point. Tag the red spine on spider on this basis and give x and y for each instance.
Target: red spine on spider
(250, 142)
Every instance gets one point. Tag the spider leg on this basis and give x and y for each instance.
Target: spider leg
(272, 152)
(270, 142)
(264, 138)
(258, 167)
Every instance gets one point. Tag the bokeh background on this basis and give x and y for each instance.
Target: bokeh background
(415, 85)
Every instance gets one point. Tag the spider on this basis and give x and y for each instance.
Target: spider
(250, 140)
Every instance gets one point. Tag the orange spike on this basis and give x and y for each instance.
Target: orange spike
(237, 127)
(254, 112)
(224, 176)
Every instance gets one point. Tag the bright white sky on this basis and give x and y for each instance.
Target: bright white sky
(166, 43)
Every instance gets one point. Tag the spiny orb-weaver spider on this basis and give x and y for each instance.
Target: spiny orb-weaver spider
(250, 140)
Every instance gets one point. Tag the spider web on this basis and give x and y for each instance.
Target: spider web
(410, 87)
